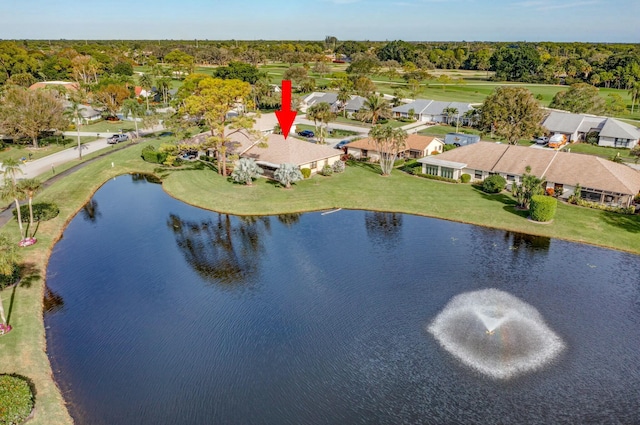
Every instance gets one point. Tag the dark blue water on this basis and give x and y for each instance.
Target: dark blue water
(161, 313)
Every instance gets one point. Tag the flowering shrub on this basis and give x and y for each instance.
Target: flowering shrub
(16, 399)
(27, 242)
(4, 329)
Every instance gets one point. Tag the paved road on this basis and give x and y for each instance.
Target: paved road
(47, 164)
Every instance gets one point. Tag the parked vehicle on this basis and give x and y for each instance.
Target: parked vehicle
(542, 140)
(306, 133)
(461, 139)
(341, 144)
(117, 138)
(557, 141)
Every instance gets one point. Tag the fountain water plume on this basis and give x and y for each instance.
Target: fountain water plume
(495, 333)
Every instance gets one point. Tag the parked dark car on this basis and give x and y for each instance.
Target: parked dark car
(306, 133)
(117, 138)
(341, 144)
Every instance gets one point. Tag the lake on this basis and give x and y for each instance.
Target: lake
(160, 312)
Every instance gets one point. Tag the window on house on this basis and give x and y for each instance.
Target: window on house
(365, 153)
(314, 164)
(431, 169)
(621, 143)
(510, 178)
(447, 172)
(478, 175)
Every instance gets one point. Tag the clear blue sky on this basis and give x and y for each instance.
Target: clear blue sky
(410, 20)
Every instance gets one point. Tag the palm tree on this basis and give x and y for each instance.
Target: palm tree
(344, 96)
(9, 257)
(388, 142)
(374, 108)
(11, 169)
(287, 174)
(133, 108)
(29, 187)
(146, 82)
(635, 94)
(450, 113)
(245, 171)
(73, 112)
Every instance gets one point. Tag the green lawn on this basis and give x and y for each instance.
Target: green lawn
(602, 151)
(109, 127)
(21, 151)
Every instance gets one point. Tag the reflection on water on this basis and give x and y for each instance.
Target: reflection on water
(383, 228)
(52, 302)
(90, 211)
(221, 250)
(522, 240)
(289, 219)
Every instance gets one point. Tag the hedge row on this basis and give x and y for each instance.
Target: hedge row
(16, 400)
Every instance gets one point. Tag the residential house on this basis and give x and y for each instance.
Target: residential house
(611, 132)
(600, 180)
(87, 113)
(319, 97)
(354, 105)
(416, 146)
(64, 86)
(431, 110)
(301, 153)
(271, 150)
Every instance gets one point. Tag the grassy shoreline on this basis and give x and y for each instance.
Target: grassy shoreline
(360, 187)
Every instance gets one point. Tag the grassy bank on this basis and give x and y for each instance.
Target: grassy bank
(360, 187)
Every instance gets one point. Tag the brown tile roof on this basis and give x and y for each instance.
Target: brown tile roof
(292, 150)
(66, 84)
(594, 172)
(555, 166)
(414, 142)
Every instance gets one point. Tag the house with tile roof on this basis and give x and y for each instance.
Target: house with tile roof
(600, 180)
(271, 150)
(301, 153)
(416, 146)
(611, 132)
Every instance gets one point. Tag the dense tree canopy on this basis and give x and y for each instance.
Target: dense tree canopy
(28, 113)
(238, 71)
(580, 98)
(512, 113)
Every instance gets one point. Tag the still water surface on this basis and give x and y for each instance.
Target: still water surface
(162, 313)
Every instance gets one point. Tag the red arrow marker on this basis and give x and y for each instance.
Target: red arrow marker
(285, 115)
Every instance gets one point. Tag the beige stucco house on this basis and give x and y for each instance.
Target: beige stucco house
(600, 180)
(416, 146)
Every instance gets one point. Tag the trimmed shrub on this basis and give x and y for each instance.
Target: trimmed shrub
(9, 279)
(338, 167)
(543, 208)
(150, 154)
(42, 211)
(439, 178)
(494, 184)
(465, 178)
(327, 170)
(16, 400)
(306, 172)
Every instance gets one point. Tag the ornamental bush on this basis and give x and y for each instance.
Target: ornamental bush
(306, 172)
(543, 208)
(465, 178)
(494, 184)
(42, 211)
(150, 154)
(338, 167)
(327, 170)
(16, 400)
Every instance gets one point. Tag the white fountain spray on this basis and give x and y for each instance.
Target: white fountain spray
(495, 333)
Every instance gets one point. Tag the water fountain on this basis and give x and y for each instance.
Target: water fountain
(495, 333)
